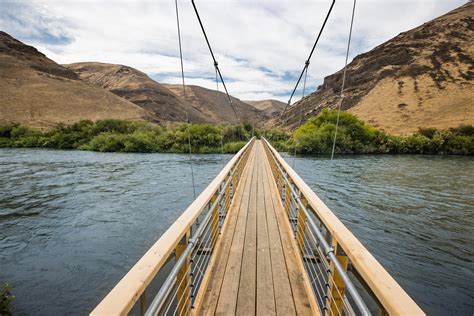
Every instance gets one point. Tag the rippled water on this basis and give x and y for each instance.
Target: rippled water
(414, 213)
(72, 223)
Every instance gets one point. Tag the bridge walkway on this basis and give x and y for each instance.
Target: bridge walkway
(258, 269)
(257, 240)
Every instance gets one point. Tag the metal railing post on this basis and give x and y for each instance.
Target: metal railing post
(227, 196)
(183, 278)
(288, 199)
(301, 224)
(336, 286)
(214, 219)
(143, 303)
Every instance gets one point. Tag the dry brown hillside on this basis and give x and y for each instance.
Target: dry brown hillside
(420, 78)
(135, 86)
(34, 90)
(269, 108)
(165, 101)
(215, 105)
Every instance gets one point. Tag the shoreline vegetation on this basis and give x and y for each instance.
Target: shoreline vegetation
(313, 137)
(6, 299)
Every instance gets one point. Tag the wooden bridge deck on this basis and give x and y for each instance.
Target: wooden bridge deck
(257, 269)
(254, 264)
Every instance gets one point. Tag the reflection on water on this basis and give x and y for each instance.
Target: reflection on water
(414, 213)
(72, 223)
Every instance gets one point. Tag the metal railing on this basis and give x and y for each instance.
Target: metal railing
(180, 258)
(346, 279)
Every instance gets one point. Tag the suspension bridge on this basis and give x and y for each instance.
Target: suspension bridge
(257, 241)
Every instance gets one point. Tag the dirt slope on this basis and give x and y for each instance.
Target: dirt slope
(420, 78)
(269, 108)
(163, 100)
(215, 105)
(135, 86)
(34, 90)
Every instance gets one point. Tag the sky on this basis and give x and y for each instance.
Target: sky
(261, 46)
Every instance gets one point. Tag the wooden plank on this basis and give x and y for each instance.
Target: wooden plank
(391, 295)
(303, 299)
(247, 285)
(218, 263)
(283, 295)
(227, 302)
(265, 294)
(253, 270)
(127, 292)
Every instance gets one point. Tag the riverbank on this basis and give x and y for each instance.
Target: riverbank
(316, 136)
(127, 136)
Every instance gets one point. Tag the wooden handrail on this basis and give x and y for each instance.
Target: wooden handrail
(127, 292)
(387, 291)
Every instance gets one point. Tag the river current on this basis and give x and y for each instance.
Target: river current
(72, 223)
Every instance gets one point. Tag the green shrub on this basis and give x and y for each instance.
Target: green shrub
(108, 142)
(6, 299)
(317, 135)
(6, 129)
(232, 148)
(463, 130)
(427, 132)
(140, 142)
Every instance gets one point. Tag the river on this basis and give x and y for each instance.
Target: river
(72, 223)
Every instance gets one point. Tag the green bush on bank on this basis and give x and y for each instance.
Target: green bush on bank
(316, 136)
(126, 136)
(6, 299)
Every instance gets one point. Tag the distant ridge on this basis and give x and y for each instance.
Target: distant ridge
(136, 87)
(166, 101)
(420, 78)
(270, 108)
(35, 90)
(215, 105)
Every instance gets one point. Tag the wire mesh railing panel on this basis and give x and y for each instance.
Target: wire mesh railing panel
(179, 292)
(324, 262)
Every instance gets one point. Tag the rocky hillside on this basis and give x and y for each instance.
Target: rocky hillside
(269, 108)
(135, 86)
(215, 105)
(34, 90)
(163, 100)
(420, 78)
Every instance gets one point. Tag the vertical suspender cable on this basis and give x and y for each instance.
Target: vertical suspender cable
(216, 65)
(301, 107)
(219, 112)
(184, 98)
(343, 81)
(309, 57)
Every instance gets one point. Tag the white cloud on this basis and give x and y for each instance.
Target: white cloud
(261, 46)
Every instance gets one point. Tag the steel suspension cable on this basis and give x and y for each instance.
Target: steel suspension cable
(310, 55)
(216, 65)
(343, 81)
(301, 109)
(188, 124)
(219, 113)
